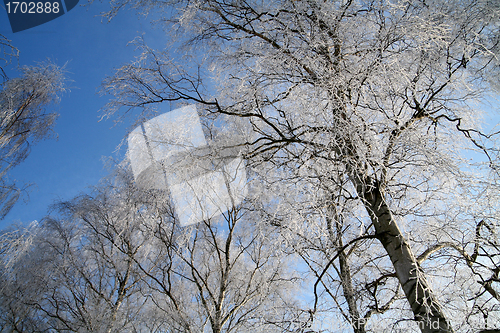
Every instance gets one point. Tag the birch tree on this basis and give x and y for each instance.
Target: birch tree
(117, 260)
(15, 244)
(385, 94)
(224, 274)
(8, 52)
(24, 119)
(78, 274)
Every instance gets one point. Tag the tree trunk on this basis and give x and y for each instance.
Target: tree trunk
(357, 323)
(426, 309)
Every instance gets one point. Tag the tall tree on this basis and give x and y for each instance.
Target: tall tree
(117, 260)
(24, 119)
(376, 103)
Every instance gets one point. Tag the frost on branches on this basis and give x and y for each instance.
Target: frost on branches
(367, 143)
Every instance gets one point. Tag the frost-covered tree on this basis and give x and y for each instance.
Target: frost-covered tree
(365, 115)
(117, 260)
(15, 244)
(24, 119)
(77, 273)
(7, 52)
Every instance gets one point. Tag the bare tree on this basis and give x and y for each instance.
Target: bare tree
(224, 274)
(78, 272)
(8, 52)
(15, 246)
(117, 260)
(383, 94)
(24, 120)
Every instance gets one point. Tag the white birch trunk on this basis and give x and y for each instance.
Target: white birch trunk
(426, 308)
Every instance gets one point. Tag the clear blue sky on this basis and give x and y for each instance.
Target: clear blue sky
(66, 167)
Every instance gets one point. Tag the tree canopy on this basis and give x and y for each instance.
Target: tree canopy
(372, 163)
(24, 120)
(362, 115)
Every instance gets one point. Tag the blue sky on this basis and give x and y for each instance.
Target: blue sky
(92, 49)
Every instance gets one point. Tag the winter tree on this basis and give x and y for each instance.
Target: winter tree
(117, 260)
(8, 52)
(24, 119)
(368, 124)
